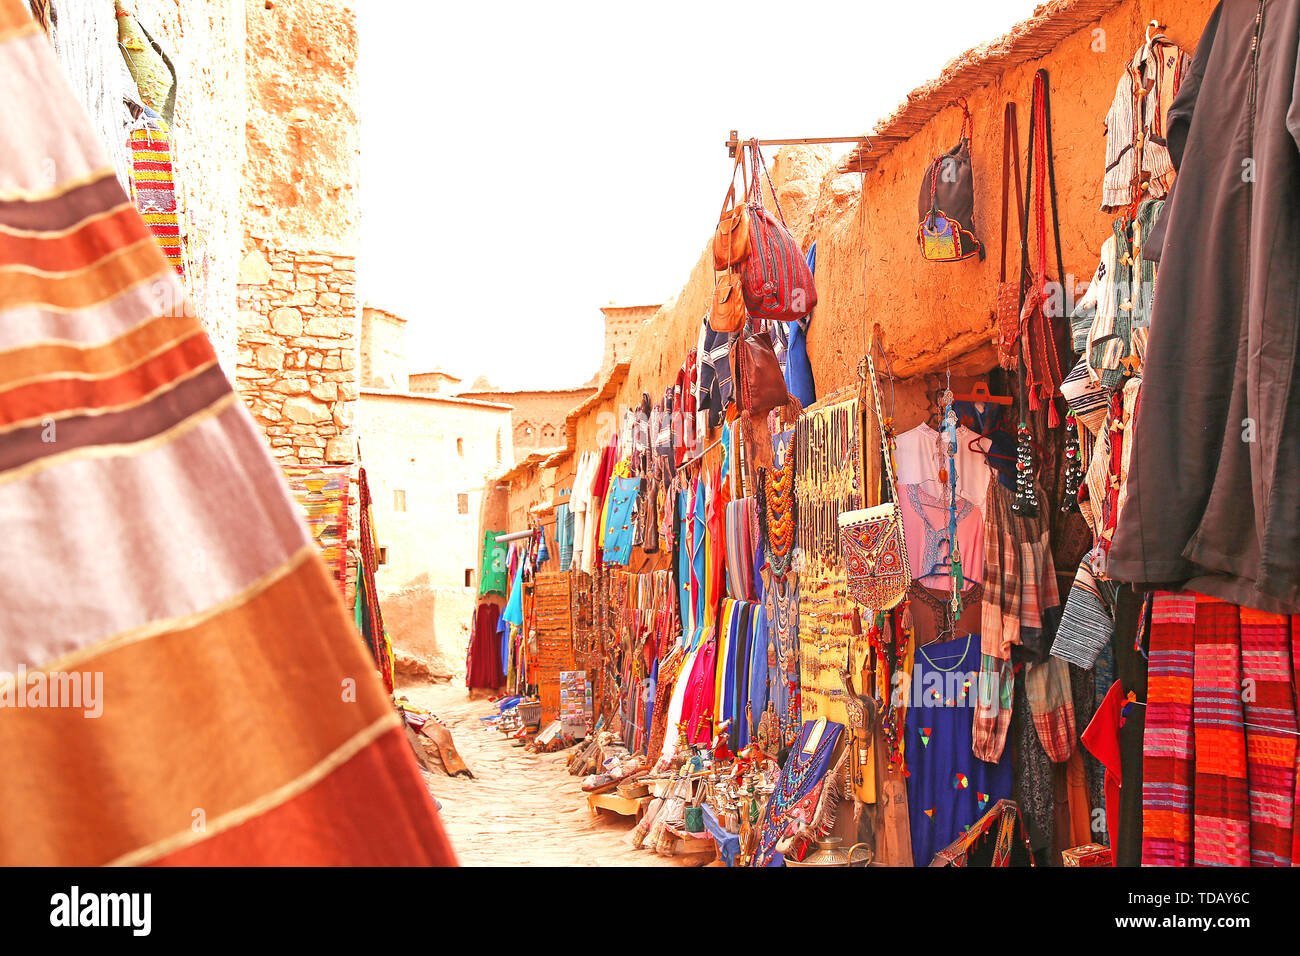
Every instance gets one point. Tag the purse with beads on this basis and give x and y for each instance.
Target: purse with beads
(871, 540)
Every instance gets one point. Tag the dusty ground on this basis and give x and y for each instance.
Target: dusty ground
(520, 809)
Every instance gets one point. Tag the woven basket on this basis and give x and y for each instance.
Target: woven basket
(530, 713)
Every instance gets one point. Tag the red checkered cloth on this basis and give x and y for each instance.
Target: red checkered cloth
(1167, 741)
(1269, 698)
(1047, 689)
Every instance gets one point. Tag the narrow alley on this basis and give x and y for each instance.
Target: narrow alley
(521, 809)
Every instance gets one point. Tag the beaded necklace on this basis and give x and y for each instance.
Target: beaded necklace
(776, 508)
(785, 621)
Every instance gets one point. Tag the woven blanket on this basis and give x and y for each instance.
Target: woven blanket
(322, 493)
(213, 702)
(153, 186)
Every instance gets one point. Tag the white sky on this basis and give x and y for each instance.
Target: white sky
(524, 164)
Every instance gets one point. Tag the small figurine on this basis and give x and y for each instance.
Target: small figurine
(721, 752)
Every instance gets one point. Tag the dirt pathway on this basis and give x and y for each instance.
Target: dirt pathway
(521, 809)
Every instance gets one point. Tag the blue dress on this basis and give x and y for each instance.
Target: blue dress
(618, 525)
(949, 788)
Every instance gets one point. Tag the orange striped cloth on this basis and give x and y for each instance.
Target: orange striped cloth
(1220, 748)
(179, 681)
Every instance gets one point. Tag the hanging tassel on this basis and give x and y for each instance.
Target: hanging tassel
(791, 412)
(1053, 416)
(758, 441)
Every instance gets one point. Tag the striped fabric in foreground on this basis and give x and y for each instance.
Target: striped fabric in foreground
(153, 559)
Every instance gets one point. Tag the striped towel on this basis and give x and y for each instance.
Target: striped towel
(153, 548)
(1087, 622)
(1167, 743)
(740, 549)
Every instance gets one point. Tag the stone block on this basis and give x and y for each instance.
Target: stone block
(254, 269)
(341, 449)
(326, 326)
(287, 321)
(270, 356)
(306, 411)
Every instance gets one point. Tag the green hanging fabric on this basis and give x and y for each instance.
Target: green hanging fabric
(492, 576)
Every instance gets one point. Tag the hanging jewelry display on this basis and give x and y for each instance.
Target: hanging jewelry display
(1073, 466)
(1025, 504)
(827, 479)
(948, 477)
(778, 512)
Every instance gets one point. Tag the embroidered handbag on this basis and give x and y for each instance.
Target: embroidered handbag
(1007, 309)
(871, 540)
(946, 206)
(731, 238)
(777, 282)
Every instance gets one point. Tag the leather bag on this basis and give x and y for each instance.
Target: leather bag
(727, 311)
(731, 238)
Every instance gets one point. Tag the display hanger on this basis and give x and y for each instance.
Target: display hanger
(979, 394)
(735, 141)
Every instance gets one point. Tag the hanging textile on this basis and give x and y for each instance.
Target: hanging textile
(492, 573)
(154, 545)
(483, 659)
(948, 788)
(322, 493)
(1219, 781)
(150, 68)
(153, 186)
(373, 631)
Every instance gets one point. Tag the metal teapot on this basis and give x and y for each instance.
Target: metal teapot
(830, 853)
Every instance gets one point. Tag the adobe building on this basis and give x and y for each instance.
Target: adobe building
(428, 460)
(266, 160)
(538, 420)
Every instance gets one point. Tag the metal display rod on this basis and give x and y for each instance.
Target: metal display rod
(513, 536)
(735, 141)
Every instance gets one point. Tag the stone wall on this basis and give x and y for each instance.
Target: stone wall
(205, 41)
(297, 358)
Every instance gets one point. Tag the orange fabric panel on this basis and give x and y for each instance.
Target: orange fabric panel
(338, 822)
(79, 289)
(67, 358)
(212, 716)
(62, 395)
(94, 239)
